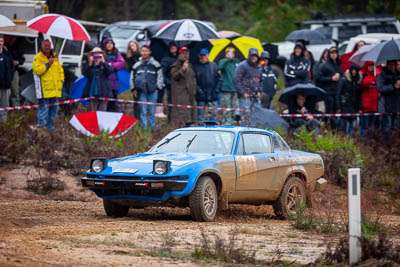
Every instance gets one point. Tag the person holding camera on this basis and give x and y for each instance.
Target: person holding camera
(98, 85)
(49, 78)
(229, 97)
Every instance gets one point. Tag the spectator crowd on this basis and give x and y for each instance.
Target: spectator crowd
(227, 83)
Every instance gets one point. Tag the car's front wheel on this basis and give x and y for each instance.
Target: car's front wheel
(292, 195)
(113, 209)
(203, 201)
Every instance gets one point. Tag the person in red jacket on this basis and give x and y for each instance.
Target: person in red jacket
(369, 98)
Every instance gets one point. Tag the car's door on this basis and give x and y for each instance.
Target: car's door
(71, 53)
(256, 162)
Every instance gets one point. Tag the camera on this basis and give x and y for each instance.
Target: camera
(96, 57)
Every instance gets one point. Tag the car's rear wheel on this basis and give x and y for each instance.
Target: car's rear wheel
(292, 195)
(113, 209)
(203, 201)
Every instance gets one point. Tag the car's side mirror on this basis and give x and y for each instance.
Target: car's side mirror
(140, 37)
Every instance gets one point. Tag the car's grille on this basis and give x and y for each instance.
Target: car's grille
(136, 178)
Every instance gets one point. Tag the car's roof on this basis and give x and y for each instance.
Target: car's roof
(235, 129)
(338, 20)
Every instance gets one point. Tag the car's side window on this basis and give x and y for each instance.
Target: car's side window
(256, 144)
(240, 147)
(279, 143)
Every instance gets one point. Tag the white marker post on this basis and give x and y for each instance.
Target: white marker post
(354, 215)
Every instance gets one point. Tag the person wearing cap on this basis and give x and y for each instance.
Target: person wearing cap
(246, 80)
(297, 68)
(146, 81)
(208, 83)
(388, 88)
(49, 78)
(268, 79)
(229, 98)
(348, 98)
(6, 71)
(183, 88)
(166, 63)
(330, 73)
(117, 62)
(98, 84)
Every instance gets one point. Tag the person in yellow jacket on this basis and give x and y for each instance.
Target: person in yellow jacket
(49, 78)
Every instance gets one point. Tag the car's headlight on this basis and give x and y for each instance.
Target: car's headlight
(97, 165)
(160, 166)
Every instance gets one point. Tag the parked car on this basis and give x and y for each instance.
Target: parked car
(369, 38)
(340, 29)
(205, 168)
(122, 32)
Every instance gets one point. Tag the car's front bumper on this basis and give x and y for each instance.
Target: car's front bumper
(133, 184)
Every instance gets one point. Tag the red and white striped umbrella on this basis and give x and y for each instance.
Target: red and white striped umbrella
(59, 26)
(97, 122)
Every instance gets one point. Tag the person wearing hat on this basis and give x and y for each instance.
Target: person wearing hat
(388, 87)
(166, 63)
(268, 79)
(208, 83)
(98, 84)
(6, 72)
(117, 62)
(297, 68)
(229, 97)
(49, 78)
(183, 88)
(246, 80)
(348, 97)
(330, 73)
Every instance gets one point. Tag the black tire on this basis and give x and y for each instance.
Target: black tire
(203, 201)
(293, 193)
(113, 209)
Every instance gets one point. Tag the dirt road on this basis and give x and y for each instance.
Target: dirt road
(36, 230)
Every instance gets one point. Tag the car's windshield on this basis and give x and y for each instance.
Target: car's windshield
(217, 142)
(122, 32)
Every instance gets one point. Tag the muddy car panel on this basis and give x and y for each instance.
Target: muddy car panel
(240, 178)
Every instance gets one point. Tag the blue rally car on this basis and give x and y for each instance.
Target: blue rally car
(206, 168)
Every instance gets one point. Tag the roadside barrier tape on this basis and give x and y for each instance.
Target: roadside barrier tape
(63, 102)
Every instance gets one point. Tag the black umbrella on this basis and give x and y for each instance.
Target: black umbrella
(305, 35)
(187, 30)
(307, 90)
(385, 51)
(267, 118)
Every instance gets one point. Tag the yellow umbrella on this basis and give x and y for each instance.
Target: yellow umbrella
(242, 45)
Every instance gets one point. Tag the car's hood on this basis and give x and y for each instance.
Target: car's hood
(176, 159)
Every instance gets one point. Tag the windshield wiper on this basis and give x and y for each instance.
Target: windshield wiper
(167, 140)
(190, 142)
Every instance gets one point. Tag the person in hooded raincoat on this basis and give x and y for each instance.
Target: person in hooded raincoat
(297, 68)
(246, 80)
(268, 81)
(369, 98)
(348, 97)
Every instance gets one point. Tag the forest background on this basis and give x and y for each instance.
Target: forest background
(268, 20)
